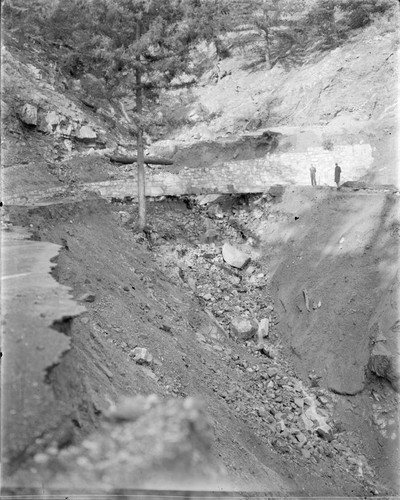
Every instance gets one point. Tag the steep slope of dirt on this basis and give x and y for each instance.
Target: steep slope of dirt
(135, 305)
(143, 296)
(342, 249)
(341, 255)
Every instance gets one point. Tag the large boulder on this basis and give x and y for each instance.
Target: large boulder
(164, 149)
(141, 355)
(385, 365)
(28, 114)
(49, 122)
(234, 257)
(86, 134)
(244, 328)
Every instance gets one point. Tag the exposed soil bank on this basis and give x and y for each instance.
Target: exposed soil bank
(139, 302)
(335, 258)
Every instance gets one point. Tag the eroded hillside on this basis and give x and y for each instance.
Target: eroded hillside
(309, 406)
(273, 413)
(346, 96)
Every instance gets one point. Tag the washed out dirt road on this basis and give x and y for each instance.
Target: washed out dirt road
(33, 305)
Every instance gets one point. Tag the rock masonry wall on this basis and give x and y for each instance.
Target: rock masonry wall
(245, 176)
(250, 176)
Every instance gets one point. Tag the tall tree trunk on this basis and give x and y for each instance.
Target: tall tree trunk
(141, 181)
(267, 25)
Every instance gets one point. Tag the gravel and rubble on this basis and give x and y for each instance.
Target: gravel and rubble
(174, 351)
(293, 417)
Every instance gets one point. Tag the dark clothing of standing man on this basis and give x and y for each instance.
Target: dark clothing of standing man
(337, 174)
(313, 170)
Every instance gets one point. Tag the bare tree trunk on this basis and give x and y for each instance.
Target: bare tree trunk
(267, 21)
(268, 51)
(141, 181)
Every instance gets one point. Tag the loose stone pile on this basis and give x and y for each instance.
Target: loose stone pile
(231, 283)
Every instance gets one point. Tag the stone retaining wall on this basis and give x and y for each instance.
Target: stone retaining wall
(245, 176)
(249, 175)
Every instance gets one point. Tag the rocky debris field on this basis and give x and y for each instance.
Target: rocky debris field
(300, 419)
(173, 313)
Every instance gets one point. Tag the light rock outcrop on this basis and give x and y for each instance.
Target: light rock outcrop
(234, 257)
(385, 365)
(28, 114)
(141, 356)
(244, 328)
(86, 133)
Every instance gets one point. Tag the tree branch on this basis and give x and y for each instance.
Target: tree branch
(151, 160)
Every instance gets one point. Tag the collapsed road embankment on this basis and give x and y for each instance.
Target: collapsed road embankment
(158, 320)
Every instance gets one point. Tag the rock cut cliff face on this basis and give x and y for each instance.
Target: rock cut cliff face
(346, 96)
(49, 117)
(341, 106)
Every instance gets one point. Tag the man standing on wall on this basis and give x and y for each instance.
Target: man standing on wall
(338, 170)
(313, 171)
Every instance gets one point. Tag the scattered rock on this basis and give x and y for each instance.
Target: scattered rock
(28, 114)
(299, 402)
(308, 424)
(250, 270)
(215, 210)
(210, 236)
(86, 133)
(323, 400)
(234, 257)
(325, 435)
(244, 328)
(272, 372)
(141, 356)
(301, 438)
(208, 198)
(192, 283)
(87, 297)
(49, 122)
(384, 365)
(263, 329)
(266, 350)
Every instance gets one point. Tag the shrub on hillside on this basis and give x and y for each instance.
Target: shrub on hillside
(360, 13)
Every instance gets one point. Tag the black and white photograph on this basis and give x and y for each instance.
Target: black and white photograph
(200, 235)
